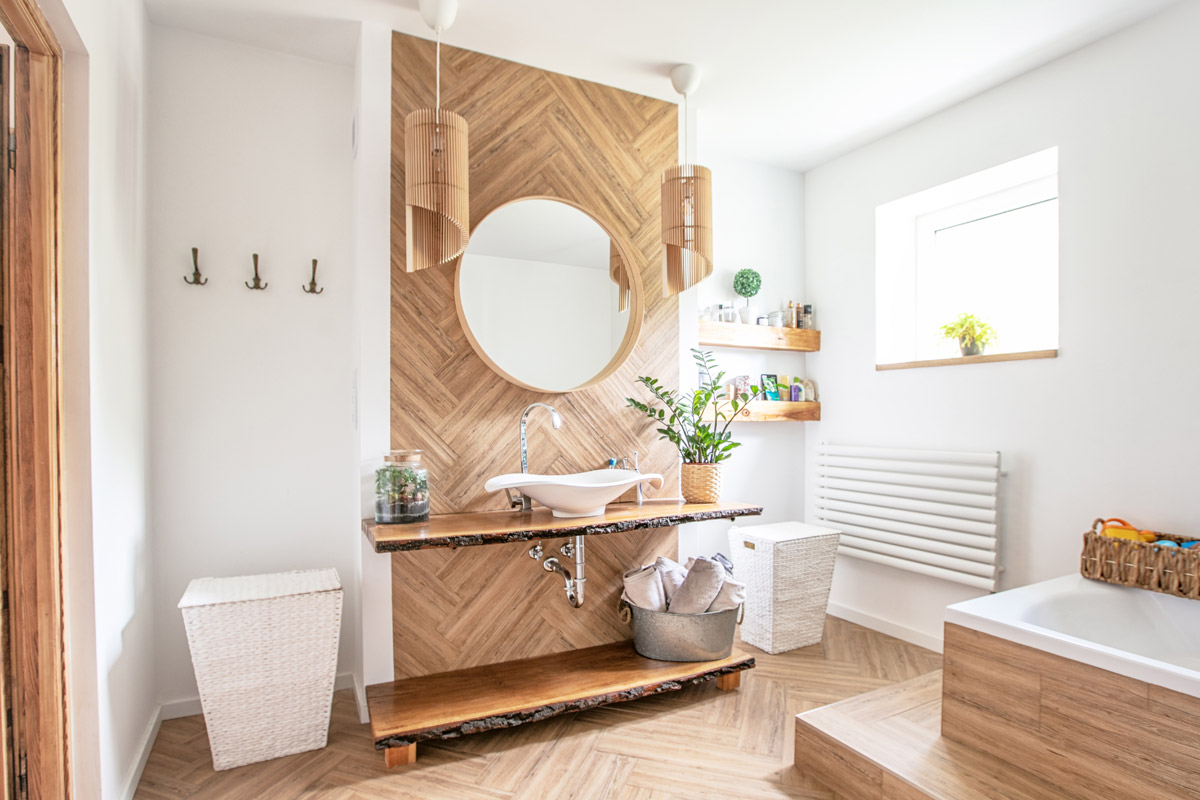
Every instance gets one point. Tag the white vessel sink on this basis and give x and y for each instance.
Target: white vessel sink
(578, 494)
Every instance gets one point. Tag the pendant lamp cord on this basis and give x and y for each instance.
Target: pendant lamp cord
(438, 106)
(685, 129)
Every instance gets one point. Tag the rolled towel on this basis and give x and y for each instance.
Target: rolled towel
(720, 558)
(644, 589)
(732, 595)
(672, 574)
(699, 588)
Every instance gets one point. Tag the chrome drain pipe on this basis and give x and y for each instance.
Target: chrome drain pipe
(572, 585)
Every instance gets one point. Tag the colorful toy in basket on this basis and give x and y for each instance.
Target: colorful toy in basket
(1122, 530)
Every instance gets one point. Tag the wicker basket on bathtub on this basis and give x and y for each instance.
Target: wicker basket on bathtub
(1170, 570)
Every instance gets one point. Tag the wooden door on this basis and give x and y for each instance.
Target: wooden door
(6, 751)
(32, 408)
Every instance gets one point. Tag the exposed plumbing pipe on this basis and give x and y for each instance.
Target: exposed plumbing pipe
(574, 586)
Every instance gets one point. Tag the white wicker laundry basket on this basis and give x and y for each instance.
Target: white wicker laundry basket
(787, 568)
(265, 652)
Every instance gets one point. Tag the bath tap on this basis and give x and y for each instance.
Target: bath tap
(625, 465)
(524, 502)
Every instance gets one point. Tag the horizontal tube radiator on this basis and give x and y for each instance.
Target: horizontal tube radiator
(932, 512)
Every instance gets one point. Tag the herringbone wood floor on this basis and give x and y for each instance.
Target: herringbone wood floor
(697, 743)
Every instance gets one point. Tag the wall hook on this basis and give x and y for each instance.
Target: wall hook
(258, 284)
(312, 285)
(195, 280)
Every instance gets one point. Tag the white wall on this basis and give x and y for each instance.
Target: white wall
(373, 271)
(1109, 427)
(757, 223)
(253, 392)
(107, 547)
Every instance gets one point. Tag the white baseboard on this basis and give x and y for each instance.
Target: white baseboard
(147, 743)
(903, 632)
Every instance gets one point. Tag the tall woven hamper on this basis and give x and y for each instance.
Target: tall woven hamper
(787, 568)
(264, 648)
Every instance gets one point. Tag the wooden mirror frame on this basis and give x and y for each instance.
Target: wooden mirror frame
(636, 304)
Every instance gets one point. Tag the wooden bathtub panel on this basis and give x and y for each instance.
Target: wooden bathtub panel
(1096, 733)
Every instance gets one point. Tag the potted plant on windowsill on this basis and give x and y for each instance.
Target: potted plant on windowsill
(703, 443)
(747, 282)
(972, 333)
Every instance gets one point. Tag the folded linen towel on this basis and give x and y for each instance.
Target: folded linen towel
(672, 574)
(699, 588)
(720, 558)
(644, 589)
(731, 595)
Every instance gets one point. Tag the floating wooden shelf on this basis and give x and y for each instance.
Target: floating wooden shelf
(776, 411)
(758, 337)
(453, 704)
(497, 527)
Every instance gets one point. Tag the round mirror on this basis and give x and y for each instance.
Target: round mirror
(547, 297)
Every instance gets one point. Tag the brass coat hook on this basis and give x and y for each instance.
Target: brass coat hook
(196, 280)
(312, 285)
(258, 283)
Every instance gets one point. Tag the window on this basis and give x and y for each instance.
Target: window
(985, 245)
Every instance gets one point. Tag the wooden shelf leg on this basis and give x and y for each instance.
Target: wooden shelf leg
(728, 683)
(399, 756)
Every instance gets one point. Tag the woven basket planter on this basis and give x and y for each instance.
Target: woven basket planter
(787, 568)
(700, 483)
(264, 648)
(1170, 570)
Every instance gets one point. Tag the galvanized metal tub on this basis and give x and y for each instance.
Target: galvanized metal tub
(664, 636)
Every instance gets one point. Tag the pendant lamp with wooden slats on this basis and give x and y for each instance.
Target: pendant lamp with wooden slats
(686, 207)
(436, 193)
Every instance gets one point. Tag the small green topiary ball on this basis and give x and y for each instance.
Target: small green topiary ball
(747, 283)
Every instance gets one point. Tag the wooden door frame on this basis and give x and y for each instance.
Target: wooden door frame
(33, 392)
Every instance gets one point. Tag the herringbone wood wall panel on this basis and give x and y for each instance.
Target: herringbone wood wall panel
(532, 133)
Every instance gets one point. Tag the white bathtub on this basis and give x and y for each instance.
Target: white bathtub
(1147, 636)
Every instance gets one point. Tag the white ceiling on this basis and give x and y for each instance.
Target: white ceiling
(786, 82)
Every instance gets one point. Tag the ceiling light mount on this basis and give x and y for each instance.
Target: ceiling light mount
(439, 14)
(686, 78)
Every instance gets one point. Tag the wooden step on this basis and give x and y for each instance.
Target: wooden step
(453, 704)
(887, 745)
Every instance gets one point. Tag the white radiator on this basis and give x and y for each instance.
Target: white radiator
(927, 511)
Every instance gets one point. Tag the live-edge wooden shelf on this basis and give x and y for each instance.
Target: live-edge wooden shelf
(497, 527)
(758, 337)
(453, 704)
(776, 411)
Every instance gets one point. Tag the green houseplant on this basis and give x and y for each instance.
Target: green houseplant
(746, 283)
(972, 333)
(697, 423)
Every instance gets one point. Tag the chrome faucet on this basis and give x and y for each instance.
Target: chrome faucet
(556, 421)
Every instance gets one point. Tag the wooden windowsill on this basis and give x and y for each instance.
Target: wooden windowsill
(985, 359)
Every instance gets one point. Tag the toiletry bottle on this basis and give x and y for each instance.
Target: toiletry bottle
(809, 322)
(789, 319)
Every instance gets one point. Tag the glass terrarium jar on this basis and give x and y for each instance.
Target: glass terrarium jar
(402, 488)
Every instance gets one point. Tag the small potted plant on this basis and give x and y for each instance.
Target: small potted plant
(972, 333)
(746, 283)
(702, 435)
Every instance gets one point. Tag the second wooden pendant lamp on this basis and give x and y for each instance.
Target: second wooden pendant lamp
(686, 206)
(436, 194)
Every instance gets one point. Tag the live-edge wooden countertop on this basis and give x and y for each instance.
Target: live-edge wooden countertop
(497, 527)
